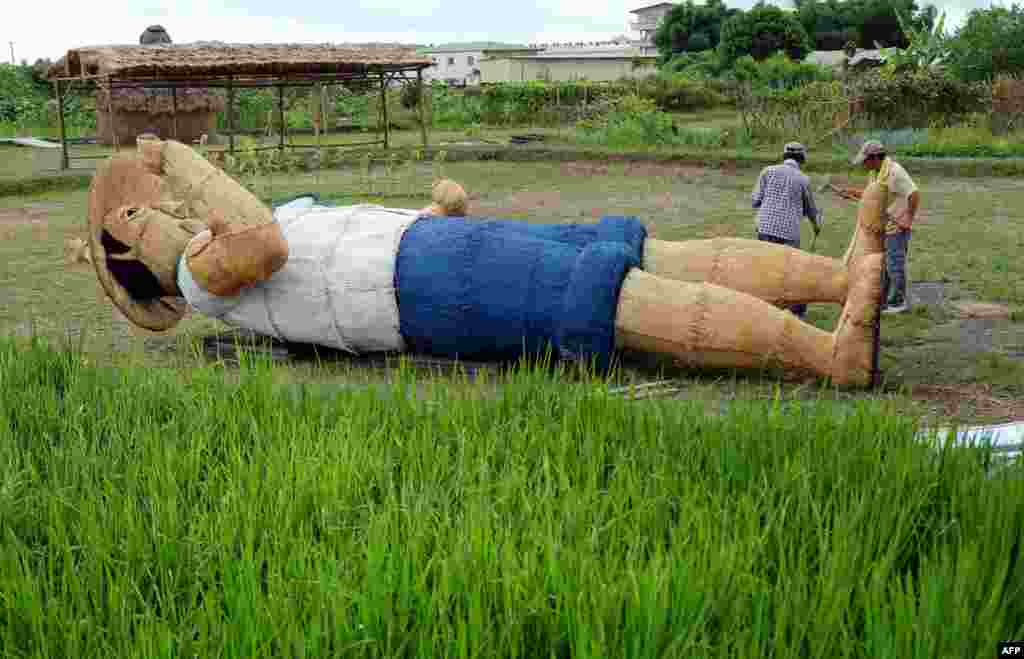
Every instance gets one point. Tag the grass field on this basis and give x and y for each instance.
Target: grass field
(967, 240)
(154, 513)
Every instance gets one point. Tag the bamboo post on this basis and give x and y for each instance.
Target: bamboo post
(422, 96)
(63, 131)
(231, 116)
(322, 126)
(280, 117)
(110, 113)
(174, 111)
(384, 106)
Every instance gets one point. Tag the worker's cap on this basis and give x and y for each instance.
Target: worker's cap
(868, 149)
(796, 148)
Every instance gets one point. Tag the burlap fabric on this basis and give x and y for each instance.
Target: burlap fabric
(154, 202)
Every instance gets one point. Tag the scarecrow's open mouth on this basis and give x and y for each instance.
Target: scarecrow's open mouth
(131, 274)
(112, 245)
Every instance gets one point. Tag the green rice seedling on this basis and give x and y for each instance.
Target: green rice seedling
(148, 513)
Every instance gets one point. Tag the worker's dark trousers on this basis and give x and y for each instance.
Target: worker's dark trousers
(799, 310)
(896, 267)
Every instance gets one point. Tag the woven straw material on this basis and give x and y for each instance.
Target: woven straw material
(206, 191)
(122, 183)
(774, 273)
(854, 358)
(231, 259)
(449, 199)
(220, 59)
(246, 245)
(156, 102)
(705, 325)
(869, 233)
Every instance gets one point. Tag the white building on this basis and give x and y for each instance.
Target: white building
(646, 24)
(459, 63)
(592, 61)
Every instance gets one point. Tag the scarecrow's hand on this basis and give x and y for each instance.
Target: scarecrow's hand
(233, 257)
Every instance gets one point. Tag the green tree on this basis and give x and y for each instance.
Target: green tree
(691, 28)
(762, 32)
(831, 23)
(989, 43)
(928, 45)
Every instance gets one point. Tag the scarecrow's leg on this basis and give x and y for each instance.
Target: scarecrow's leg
(774, 273)
(706, 325)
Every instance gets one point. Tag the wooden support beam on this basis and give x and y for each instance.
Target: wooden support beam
(422, 106)
(64, 165)
(280, 117)
(174, 112)
(384, 107)
(231, 116)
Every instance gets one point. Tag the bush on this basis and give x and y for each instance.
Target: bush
(697, 66)
(779, 72)
(21, 99)
(678, 93)
(637, 121)
(807, 113)
(917, 98)
(972, 139)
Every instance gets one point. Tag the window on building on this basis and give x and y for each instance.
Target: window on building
(470, 60)
(451, 61)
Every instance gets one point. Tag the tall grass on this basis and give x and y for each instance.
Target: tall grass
(159, 514)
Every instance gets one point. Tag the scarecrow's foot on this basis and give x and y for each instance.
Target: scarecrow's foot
(855, 347)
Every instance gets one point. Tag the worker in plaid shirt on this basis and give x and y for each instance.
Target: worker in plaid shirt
(782, 197)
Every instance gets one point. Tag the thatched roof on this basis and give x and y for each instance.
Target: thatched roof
(215, 59)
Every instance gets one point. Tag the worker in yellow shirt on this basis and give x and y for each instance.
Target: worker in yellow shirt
(901, 210)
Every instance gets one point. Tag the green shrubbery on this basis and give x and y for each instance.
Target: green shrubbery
(636, 121)
(779, 72)
(917, 98)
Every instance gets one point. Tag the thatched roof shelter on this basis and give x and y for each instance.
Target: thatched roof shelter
(175, 88)
(207, 60)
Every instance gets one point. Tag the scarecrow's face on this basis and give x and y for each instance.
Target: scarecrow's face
(151, 237)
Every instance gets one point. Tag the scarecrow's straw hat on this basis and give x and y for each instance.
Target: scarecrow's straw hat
(121, 185)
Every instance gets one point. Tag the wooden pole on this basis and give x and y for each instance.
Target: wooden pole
(384, 106)
(322, 125)
(231, 116)
(174, 112)
(422, 105)
(63, 132)
(113, 118)
(280, 117)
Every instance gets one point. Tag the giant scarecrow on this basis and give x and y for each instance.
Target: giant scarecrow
(169, 230)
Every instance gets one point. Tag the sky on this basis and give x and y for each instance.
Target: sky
(48, 29)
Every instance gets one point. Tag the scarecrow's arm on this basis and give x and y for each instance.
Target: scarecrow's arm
(233, 257)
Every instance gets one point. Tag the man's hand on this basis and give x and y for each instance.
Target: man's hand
(904, 220)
